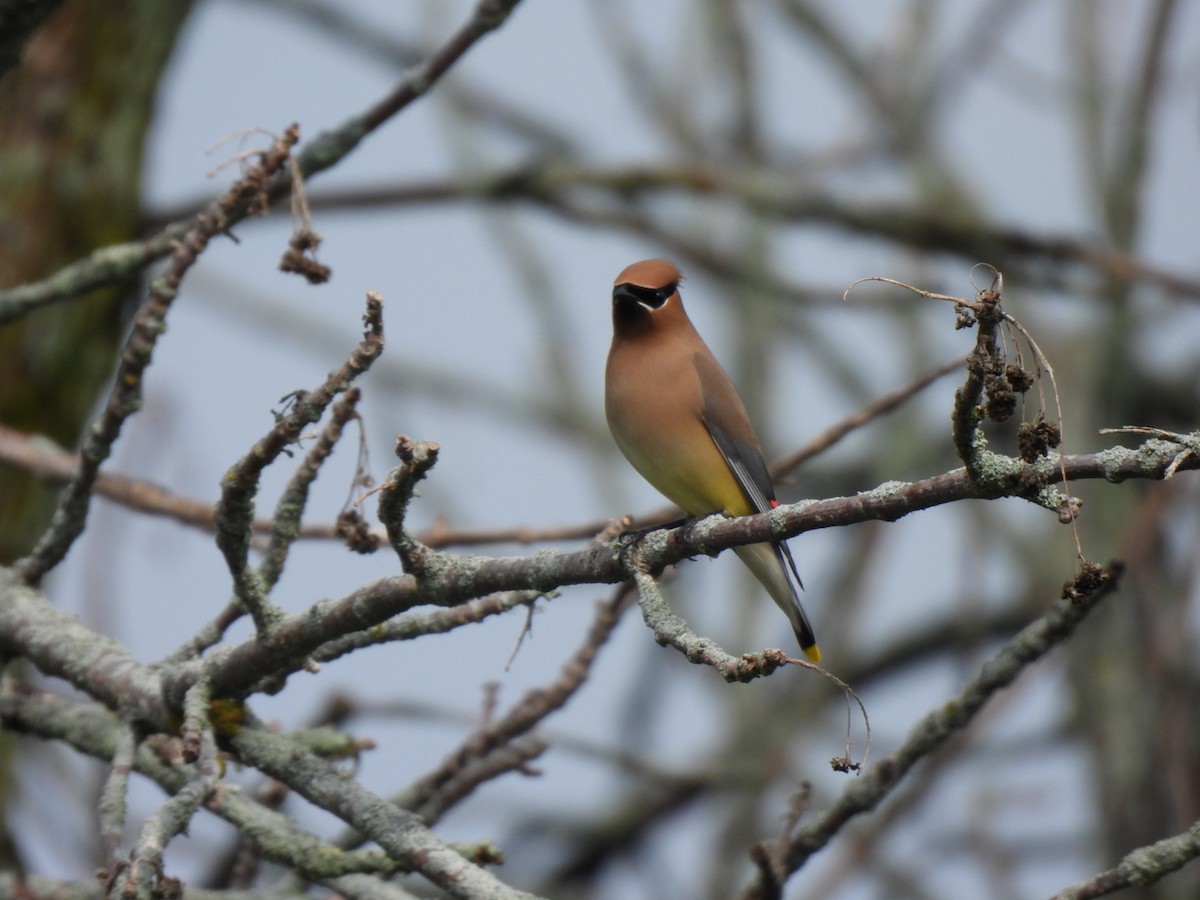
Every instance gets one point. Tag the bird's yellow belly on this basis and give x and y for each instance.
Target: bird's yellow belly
(692, 474)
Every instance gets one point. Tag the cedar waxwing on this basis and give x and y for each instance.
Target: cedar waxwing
(677, 418)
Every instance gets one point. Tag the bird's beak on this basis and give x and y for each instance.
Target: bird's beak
(623, 296)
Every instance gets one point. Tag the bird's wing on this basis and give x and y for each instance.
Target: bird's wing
(750, 470)
(725, 418)
(747, 465)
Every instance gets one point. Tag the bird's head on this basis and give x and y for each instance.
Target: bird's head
(644, 291)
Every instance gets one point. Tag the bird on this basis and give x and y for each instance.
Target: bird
(678, 420)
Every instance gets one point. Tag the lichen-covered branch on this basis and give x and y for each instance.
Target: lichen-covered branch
(235, 510)
(126, 396)
(400, 833)
(61, 646)
(950, 718)
(95, 732)
(289, 510)
(1143, 866)
(671, 630)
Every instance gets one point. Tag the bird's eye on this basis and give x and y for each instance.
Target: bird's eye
(652, 298)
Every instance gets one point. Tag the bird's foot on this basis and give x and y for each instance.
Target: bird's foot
(687, 531)
(636, 533)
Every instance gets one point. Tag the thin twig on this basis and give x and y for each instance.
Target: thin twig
(117, 263)
(530, 711)
(113, 798)
(411, 625)
(235, 510)
(949, 719)
(144, 874)
(671, 630)
(289, 509)
(781, 468)
(126, 395)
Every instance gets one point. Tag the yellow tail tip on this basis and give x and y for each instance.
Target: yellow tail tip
(813, 652)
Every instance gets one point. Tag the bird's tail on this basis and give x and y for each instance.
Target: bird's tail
(767, 562)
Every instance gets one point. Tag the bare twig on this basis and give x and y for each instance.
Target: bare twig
(48, 462)
(1125, 188)
(671, 630)
(113, 264)
(487, 16)
(947, 720)
(125, 398)
(513, 756)
(781, 468)
(530, 711)
(112, 806)
(412, 625)
(235, 509)
(417, 458)
(144, 875)
(289, 510)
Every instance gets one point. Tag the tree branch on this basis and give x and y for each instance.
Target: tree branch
(59, 645)
(126, 395)
(399, 832)
(559, 188)
(109, 265)
(932, 732)
(96, 732)
(1143, 866)
(235, 510)
(433, 792)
